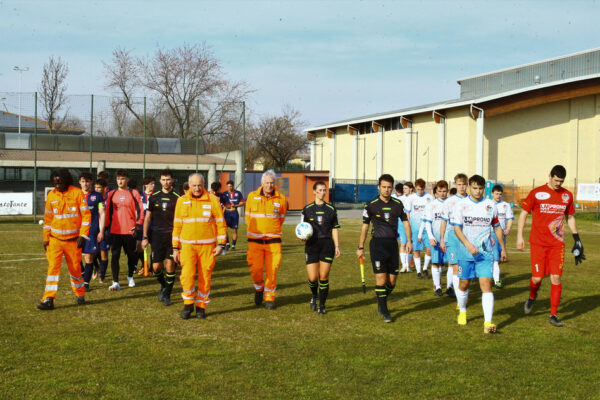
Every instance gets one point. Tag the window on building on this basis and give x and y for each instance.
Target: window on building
(27, 174)
(12, 174)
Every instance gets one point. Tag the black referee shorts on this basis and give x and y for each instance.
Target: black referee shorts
(384, 255)
(162, 246)
(319, 250)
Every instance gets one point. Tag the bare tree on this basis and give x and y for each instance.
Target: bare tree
(52, 90)
(277, 139)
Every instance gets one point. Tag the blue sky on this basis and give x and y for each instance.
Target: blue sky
(329, 60)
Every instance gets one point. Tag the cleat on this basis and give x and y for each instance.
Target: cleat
(270, 305)
(140, 272)
(555, 321)
(313, 303)
(322, 310)
(387, 317)
(379, 310)
(80, 300)
(438, 292)
(130, 281)
(161, 294)
(232, 248)
(528, 305)
(498, 285)
(258, 297)
(167, 299)
(101, 280)
(419, 275)
(403, 270)
(450, 292)
(94, 275)
(227, 246)
(47, 304)
(114, 286)
(426, 274)
(462, 318)
(186, 313)
(488, 327)
(200, 313)
(86, 286)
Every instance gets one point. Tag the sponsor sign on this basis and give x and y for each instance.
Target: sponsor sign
(588, 192)
(16, 203)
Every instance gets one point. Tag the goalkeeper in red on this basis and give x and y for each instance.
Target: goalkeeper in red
(549, 204)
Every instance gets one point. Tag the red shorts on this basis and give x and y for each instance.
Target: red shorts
(547, 260)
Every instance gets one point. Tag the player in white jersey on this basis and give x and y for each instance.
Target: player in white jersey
(472, 219)
(436, 212)
(416, 208)
(505, 217)
(406, 189)
(460, 180)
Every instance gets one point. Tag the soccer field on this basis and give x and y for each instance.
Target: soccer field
(128, 345)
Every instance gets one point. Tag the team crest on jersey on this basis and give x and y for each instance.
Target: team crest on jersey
(93, 198)
(122, 198)
(164, 206)
(542, 195)
(320, 219)
(365, 213)
(378, 264)
(489, 209)
(565, 197)
(386, 215)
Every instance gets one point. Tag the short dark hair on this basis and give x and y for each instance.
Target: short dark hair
(478, 180)
(435, 188)
(186, 186)
(230, 182)
(319, 183)
(453, 191)
(461, 177)
(166, 172)
(103, 175)
(63, 174)
(148, 179)
(122, 173)
(86, 175)
(558, 171)
(399, 187)
(386, 178)
(409, 184)
(102, 182)
(498, 188)
(215, 186)
(441, 184)
(132, 184)
(420, 183)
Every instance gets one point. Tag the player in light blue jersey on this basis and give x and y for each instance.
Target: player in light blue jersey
(505, 217)
(472, 219)
(436, 213)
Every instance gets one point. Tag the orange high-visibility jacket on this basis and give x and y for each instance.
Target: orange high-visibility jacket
(264, 216)
(67, 215)
(199, 220)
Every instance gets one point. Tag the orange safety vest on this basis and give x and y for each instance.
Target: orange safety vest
(67, 215)
(265, 215)
(198, 220)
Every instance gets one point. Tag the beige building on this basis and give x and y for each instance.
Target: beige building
(513, 124)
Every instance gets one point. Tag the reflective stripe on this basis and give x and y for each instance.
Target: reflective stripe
(271, 290)
(203, 294)
(66, 216)
(222, 237)
(219, 219)
(175, 238)
(193, 220)
(83, 208)
(76, 278)
(263, 235)
(177, 220)
(201, 241)
(202, 301)
(48, 211)
(255, 235)
(258, 287)
(46, 227)
(53, 278)
(191, 291)
(64, 232)
(78, 285)
(85, 223)
(183, 296)
(260, 215)
(51, 287)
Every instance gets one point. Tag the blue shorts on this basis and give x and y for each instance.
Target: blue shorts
(104, 245)
(401, 232)
(232, 218)
(480, 267)
(451, 255)
(415, 241)
(437, 255)
(497, 249)
(91, 245)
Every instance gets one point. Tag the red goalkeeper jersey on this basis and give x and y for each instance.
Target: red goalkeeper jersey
(548, 208)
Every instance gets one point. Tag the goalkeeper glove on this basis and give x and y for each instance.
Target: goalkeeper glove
(578, 249)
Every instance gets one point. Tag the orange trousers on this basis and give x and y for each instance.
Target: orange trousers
(196, 258)
(54, 254)
(264, 258)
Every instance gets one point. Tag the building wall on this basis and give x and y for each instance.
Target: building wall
(394, 143)
(460, 142)
(322, 152)
(343, 154)
(424, 147)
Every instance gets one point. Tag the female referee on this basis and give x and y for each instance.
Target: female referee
(322, 246)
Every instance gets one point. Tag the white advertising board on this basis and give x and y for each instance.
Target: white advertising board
(16, 203)
(588, 192)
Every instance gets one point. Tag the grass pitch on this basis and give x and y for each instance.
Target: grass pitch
(128, 345)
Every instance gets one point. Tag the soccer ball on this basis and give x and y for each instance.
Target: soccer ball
(304, 230)
(41, 222)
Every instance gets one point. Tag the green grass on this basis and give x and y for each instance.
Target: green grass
(127, 345)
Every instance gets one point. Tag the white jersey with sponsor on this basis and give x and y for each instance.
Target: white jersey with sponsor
(416, 207)
(435, 213)
(405, 202)
(505, 213)
(451, 203)
(475, 219)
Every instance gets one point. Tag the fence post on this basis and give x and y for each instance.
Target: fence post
(144, 142)
(91, 131)
(197, 132)
(35, 160)
(243, 147)
(513, 190)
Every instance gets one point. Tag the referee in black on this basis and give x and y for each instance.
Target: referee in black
(322, 246)
(159, 220)
(384, 211)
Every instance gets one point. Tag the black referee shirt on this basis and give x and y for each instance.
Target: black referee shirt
(384, 217)
(323, 219)
(162, 207)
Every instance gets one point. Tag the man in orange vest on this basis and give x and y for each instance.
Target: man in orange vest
(66, 228)
(198, 226)
(265, 212)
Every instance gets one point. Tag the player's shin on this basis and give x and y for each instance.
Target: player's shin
(496, 271)
(418, 264)
(487, 303)
(323, 292)
(461, 298)
(426, 262)
(555, 292)
(533, 288)
(449, 278)
(436, 275)
(381, 293)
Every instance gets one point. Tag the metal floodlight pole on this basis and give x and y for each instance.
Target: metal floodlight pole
(197, 132)
(35, 159)
(20, 71)
(91, 129)
(144, 142)
(243, 147)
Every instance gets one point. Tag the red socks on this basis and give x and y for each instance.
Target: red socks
(533, 289)
(555, 292)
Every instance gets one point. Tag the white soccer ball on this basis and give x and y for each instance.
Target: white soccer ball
(304, 230)
(41, 222)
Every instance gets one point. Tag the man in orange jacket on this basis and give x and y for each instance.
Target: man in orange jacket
(198, 226)
(265, 212)
(66, 228)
